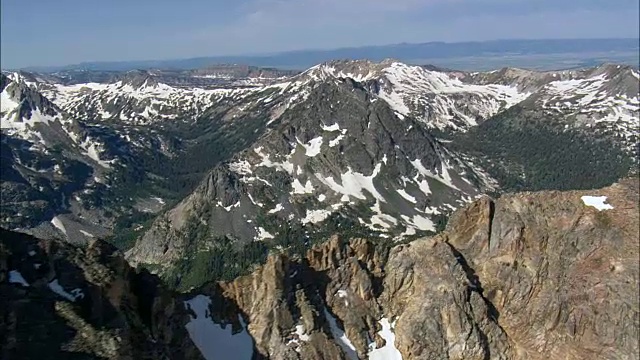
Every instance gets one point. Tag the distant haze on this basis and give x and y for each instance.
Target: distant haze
(45, 33)
(489, 55)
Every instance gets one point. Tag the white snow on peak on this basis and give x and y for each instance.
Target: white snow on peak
(313, 147)
(353, 183)
(266, 161)
(298, 188)
(302, 335)
(389, 350)
(331, 128)
(71, 296)
(58, 224)
(406, 196)
(88, 234)
(316, 216)
(278, 207)
(340, 337)
(425, 94)
(15, 277)
(7, 104)
(241, 167)
(592, 101)
(264, 234)
(597, 202)
(413, 87)
(214, 341)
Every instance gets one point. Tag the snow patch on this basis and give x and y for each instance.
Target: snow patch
(313, 147)
(340, 336)
(300, 331)
(266, 161)
(331, 128)
(278, 207)
(316, 216)
(406, 196)
(419, 222)
(353, 184)
(379, 218)
(389, 350)
(298, 188)
(92, 150)
(264, 234)
(241, 167)
(597, 202)
(214, 341)
(71, 296)
(336, 141)
(58, 224)
(15, 277)
(86, 233)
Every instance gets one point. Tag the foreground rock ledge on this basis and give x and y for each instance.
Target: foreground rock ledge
(527, 276)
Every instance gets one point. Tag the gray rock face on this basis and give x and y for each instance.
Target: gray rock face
(321, 160)
(63, 302)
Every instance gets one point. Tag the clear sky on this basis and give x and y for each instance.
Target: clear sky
(58, 32)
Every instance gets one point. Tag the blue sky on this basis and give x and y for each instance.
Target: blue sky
(57, 32)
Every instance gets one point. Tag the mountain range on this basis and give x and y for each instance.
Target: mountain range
(288, 199)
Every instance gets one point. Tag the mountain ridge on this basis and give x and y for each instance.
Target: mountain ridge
(394, 161)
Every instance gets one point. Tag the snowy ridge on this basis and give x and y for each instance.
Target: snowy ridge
(152, 102)
(437, 98)
(593, 103)
(12, 119)
(332, 192)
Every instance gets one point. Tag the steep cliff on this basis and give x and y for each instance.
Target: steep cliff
(544, 275)
(526, 276)
(60, 301)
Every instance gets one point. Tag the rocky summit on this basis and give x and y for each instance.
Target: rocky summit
(530, 275)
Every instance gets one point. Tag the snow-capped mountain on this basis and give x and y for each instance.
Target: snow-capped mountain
(347, 143)
(439, 99)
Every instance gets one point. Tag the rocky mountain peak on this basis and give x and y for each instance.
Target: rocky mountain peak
(525, 276)
(138, 79)
(23, 106)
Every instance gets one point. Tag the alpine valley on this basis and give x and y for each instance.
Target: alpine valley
(355, 210)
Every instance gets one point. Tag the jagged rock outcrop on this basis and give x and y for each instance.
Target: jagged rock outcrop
(562, 275)
(526, 276)
(59, 301)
